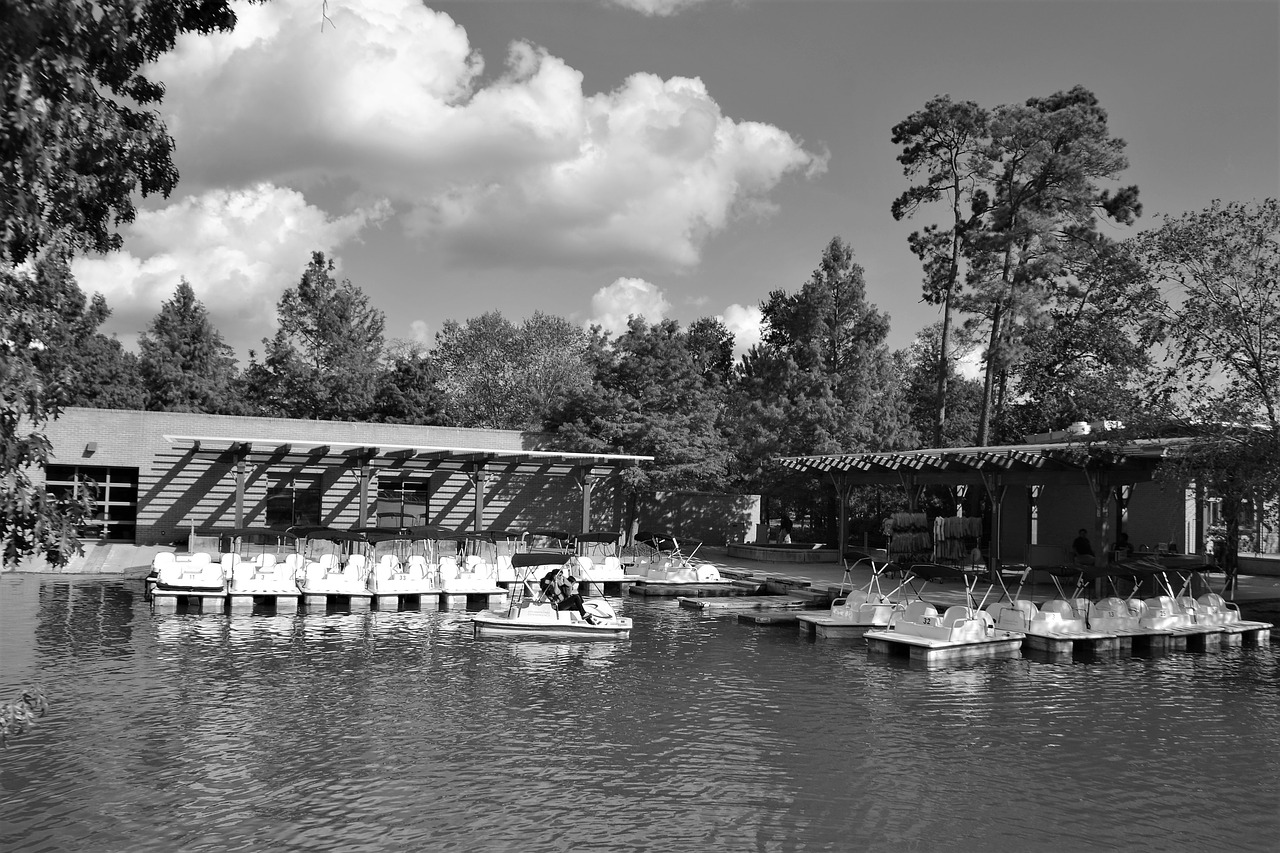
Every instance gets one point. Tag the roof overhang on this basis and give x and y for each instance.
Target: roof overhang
(407, 457)
(1020, 464)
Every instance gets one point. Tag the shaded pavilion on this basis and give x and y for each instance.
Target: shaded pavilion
(479, 465)
(1109, 469)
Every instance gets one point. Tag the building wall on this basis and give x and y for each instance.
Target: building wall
(1156, 514)
(701, 517)
(179, 488)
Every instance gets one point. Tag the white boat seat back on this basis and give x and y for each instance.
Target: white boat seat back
(328, 562)
(957, 613)
(585, 564)
(1060, 608)
(293, 563)
(229, 562)
(201, 558)
(1160, 605)
(1228, 611)
(917, 611)
(357, 564)
(418, 566)
(264, 562)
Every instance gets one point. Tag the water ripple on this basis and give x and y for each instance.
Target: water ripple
(401, 731)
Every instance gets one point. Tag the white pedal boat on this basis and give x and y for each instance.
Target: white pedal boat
(530, 613)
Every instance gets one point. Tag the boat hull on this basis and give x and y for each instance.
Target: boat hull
(494, 622)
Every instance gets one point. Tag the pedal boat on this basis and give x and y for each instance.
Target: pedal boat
(961, 631)
(860, 610)
(666, 563)
(530, 614)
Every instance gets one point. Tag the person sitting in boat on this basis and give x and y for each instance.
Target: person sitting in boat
(561, 589)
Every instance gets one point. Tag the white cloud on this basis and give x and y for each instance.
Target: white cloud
(238, 249)
(970, 363)
(420, 333)
(612, 305)
(745, 322)
(657, 7)
(522, 168)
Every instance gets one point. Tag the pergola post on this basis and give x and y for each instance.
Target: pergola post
(364, 494)
(586, 482)
(478, 476)
(241, 452)
(996, 489)
(842, 496)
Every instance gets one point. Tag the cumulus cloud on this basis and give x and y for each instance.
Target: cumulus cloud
(745, 322)
(522, 167)
(612, 305)
(238, 249)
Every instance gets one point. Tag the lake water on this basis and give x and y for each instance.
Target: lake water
(403, 732)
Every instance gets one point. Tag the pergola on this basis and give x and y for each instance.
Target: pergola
(479, 464)
(1109, 469)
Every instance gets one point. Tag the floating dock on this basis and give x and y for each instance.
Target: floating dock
(163, 601)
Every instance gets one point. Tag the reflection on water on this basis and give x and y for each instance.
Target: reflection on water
(401, 731)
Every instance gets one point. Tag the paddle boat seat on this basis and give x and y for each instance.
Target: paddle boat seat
(1059, 616)
(1217, 610)
(920, 613)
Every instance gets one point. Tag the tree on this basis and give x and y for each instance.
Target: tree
(1090, 357)
(1220, 268)
(34, 377)
(77, 139)
(711, 343)
(324, 360)
(76, 142)
(821, 380)
(185, 365)
(650, 396)
(408, 390)
(1025, 186)
(921, 367)
(497, 375)
(949, 142)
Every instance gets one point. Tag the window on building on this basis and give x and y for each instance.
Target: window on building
(293, 502)
(404, 502)
(115, 498)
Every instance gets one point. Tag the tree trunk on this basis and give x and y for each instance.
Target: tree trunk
(1231, 550)
(988, 380)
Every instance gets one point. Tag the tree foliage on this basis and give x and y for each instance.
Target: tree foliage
(1026, 186)
(1089, 355)
(949, 143)
(185, 365)
(1220, 271)
(35, 378)
(78, 136)
(324, 360)
(497, 375)
(652, 396)
(822, 379)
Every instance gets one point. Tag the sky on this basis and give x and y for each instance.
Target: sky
(670, 158)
